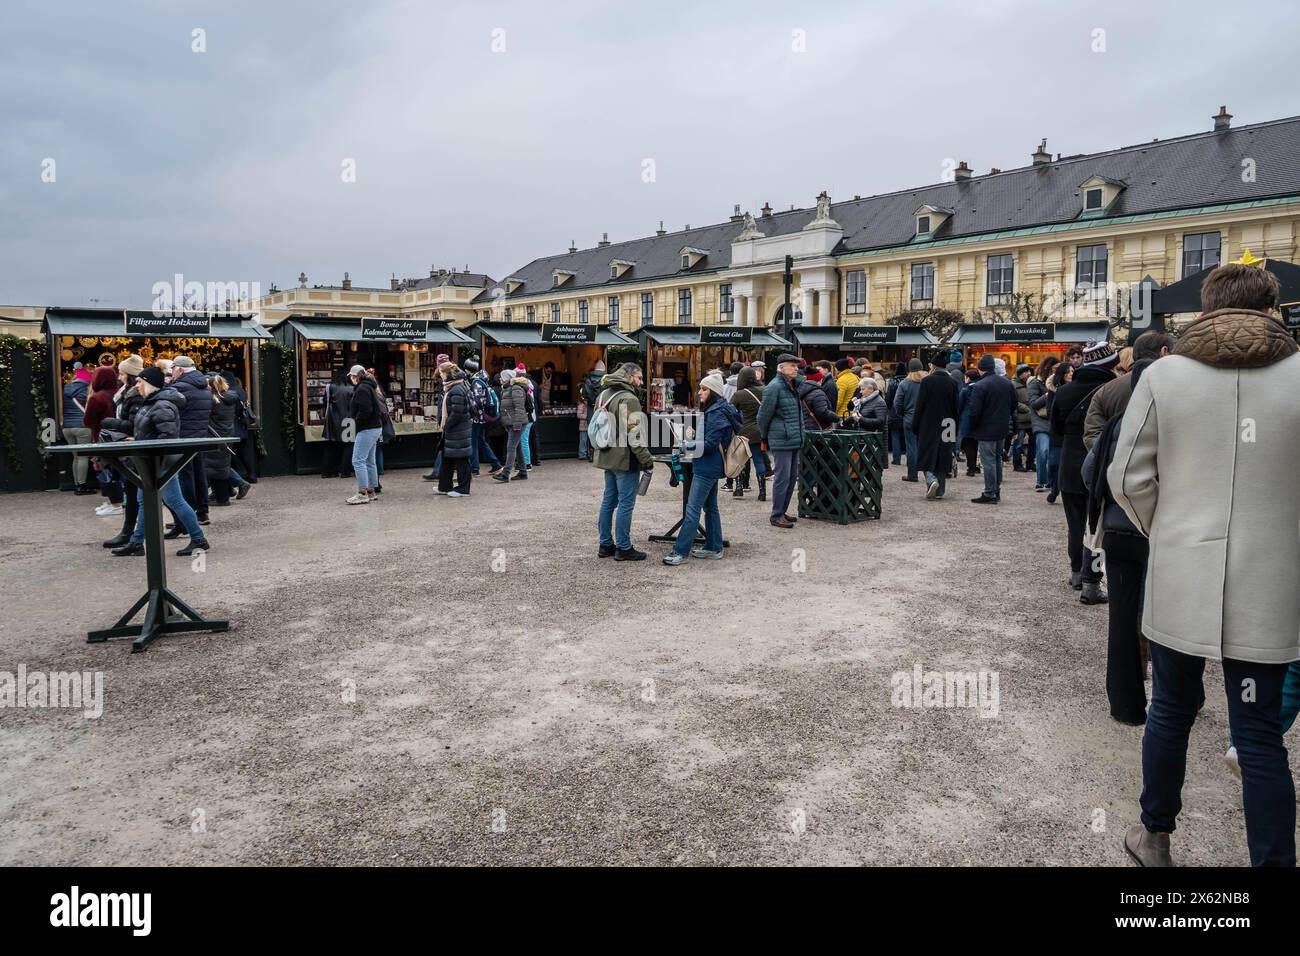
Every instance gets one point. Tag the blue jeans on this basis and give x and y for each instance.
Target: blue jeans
(1267, 790)
(479, 446)
(584, 445)
(363, 458)
(620, 490)
(931, 477)
(909, 440)
(175, 500)
(703, 499)
(896, 444)
(1042, 447)
(785, 471)
(524, 445)
(991, 462)
(1053, 466)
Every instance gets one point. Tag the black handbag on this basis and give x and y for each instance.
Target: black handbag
(247, 418)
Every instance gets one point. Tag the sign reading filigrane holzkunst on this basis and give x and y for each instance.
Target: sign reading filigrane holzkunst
(167, 324)
(869, 334)
(1024, 331)
(561, 334)
(394, 329)
(725, 335)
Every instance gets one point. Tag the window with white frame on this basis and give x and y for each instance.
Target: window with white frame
(1092, 200)
(1090, 270)
(613, 310)
(683, 306)
(647, 308)
(922, 285)
(582, 311)
(726, 304)
(855, 291)
(1001, 274)
(1200, 251)
(530, 313)
(555, 311)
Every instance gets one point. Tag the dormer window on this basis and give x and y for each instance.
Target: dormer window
(617, 268)
(922, 224)
(512, 285)
(929, 219)
(561, 276)
(1099, 194)
(691, 256)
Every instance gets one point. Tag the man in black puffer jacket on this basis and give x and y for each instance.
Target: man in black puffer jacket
(457, 435)
(196, 411)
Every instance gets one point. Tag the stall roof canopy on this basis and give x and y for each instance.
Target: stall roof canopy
(530, 333)
(1185, 294)
(834, 335)
(323, 328)
(690, 335)
(981, 333)
(61, 321)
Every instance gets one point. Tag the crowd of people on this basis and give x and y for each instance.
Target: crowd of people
(170, 399)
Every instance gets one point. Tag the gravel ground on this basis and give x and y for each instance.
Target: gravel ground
(518, 700)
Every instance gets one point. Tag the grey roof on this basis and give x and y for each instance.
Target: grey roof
(1185, 172)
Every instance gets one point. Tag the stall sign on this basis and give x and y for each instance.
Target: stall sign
(394, 330)
(168, 324)
(1291, 314)
(870, 334)
(725, 335)
(562, 334)
(1024, 332)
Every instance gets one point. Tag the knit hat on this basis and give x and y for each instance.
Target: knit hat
(521, 367)
(154, 376)
(843, 364)
(987, 363)
(443, 357)
(506, 375)
(599, 366)
(183, 361)
(471, 365)
(900, 368)
(1001, 366)
(813, 374)
(714, 383)
(1099, 355)
(357, 370)
(131, 365)
(78, 366)
(915, 365)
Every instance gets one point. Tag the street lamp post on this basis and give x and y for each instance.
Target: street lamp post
(786, 278)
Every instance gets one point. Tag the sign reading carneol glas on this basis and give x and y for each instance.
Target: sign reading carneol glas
(1024, 331)
(168, 324)
(394, 329)
(725, 335)
(562, 334)
(869, 334)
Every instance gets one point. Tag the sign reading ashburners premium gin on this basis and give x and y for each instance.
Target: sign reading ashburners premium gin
(394, 329)
(726, 335)
(558, 333)
(869, 334)
(1024, 331)
(168, 324)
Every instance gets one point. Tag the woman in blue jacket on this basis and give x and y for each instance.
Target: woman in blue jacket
(721, 422)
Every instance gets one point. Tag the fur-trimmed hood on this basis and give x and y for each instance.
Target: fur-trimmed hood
(1236, 338)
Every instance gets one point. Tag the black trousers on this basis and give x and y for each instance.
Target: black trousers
(1126, 573)
(246, 455)
(1076, 519)
(971, 449)
(336, 458)
(461, 467)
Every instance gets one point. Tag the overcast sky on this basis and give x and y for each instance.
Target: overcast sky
(488, 134)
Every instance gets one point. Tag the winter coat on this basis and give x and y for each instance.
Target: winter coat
(1103, 509)
(1024, 414)
(992, 405)
(721, 422)
(457, 429)
(241, 398)
(963, 413)
(1068, 411)
(591, 386)
(225, 412)
(905, 401)
(780, 417)
(819, 414)
(832, 390)
(748, 399)
(1038, 395)
(75, 392)
(846, 383)
(629, 452)
(1205, 466)
(514, 403)
(363, 408)
(197, 409)
(100, 404)
(1108, 401)
(957, 375)
(338, 399)
(159, 415)
(934, 420)
(891, 399)
(873, 414)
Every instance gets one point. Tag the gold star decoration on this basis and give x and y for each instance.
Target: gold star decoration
(1248, 260)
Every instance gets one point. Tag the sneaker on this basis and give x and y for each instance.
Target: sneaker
(1147, 848)
(501, 477)
(673, 558)
(359, 499)
(196, 544)
(932, 490)
(630, 554)
(112, 511)
(705, 553)
(984, 500)
(606, 551)
(494, 469)
(520, 476)
(905, 478)
(458, 494)
(1051, 497)
(99, 510)
(244, 489)
(1093, 594)
(374, 496)
(431, 476)
(1230, 758)
(1040, 488)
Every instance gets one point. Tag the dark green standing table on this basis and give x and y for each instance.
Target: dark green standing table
(153, 463)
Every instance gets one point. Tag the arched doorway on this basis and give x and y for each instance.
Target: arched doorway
(778, 317)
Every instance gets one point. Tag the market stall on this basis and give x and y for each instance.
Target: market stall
(403, 354)
(1184, 297)
(1025, 342)
(678, 356)
(216, 342)
(879, 344)
(557, 357)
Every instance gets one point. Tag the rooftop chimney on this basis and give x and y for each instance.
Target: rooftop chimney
(573, 246)
(1041, 156)
(604, 239)
(994, 171)
(735, 213)
(347, 281)
(393, 283)
(1223, 120)
(433, 272)
(962, 172)
(660, 230)
(767, 210)
(688, 226)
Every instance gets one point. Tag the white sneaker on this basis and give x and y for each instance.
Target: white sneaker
(100, 509)
(437, 492)
(1230, 758)
(457, 494)
(112, 511)
(359, 499)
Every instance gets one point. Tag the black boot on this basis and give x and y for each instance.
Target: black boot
(128, 551)
(118, 541)
(196, 544)
(762, 489)
(174, 531)
(739, 491)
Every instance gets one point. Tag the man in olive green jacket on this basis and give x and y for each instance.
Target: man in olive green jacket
(623, 462)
